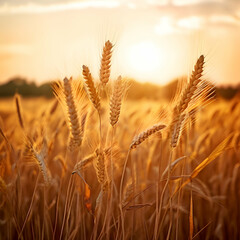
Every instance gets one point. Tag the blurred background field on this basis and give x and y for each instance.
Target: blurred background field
(215, 191)
(137, 90)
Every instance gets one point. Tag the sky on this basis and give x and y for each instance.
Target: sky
(154, 40)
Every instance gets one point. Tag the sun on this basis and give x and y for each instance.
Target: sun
(144, 58)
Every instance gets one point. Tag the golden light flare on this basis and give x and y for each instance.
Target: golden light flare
(144, 57)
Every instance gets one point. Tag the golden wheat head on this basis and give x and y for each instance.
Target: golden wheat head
(92, 92)
(106, 62)
(146, 134)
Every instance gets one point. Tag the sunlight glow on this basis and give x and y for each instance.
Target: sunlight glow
(144, 58)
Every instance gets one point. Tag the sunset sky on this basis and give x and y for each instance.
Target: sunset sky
(155, 40)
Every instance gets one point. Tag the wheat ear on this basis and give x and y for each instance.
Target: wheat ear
(115, 102)
(176, 129)
(145, 135)
(189, 93)
(83, 122)
(76, 133)
(93, 94)
(83, 163)
(192, 86)
(18, 106)
(106, 62)
(101, 170)
(39, 157)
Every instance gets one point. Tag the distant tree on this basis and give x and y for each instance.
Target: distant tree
(23, 87)
(136, 90)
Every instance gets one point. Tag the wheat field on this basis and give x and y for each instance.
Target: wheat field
(92, 164)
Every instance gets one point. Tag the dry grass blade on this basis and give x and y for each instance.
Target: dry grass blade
(173, 164)
(145, 135)
(92, 92)
(106, 63)
(115, 103)
(201, 230)
(215, 153)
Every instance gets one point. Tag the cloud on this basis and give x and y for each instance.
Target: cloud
(33, 8)
(192, 22)
(207, 8)
(198, 15)
(196, 12)
(173, 14)
(25, 2)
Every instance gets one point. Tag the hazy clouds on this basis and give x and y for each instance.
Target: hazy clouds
(39, 37)
(211, 12)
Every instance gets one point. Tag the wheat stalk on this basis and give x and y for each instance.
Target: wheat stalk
(145, 135)
(106, 62)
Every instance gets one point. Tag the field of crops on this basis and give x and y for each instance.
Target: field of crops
(92, 165)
